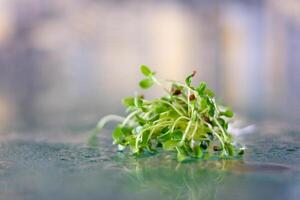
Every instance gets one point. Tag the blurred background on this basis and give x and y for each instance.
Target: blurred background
(66, 63)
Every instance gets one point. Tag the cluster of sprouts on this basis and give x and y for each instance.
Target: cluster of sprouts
(187, 120)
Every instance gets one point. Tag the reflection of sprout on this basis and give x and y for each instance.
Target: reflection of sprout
(173, 180)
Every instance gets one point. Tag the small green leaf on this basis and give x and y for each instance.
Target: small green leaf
(126, 130)
(230, 149)
(201, 88)
(146, 71)
(181, 155)
(212, 111)
(221, 121)
(117, 134)
(204, 144)
(209, 93)
(165, 130)
(228, 113)
(203, 104)
(145, 137)
(198, 152)
(241, 151)
(146, 83)
(188, 79)
(177, 135)
(211, 106)
(128, 101)
(160, 108)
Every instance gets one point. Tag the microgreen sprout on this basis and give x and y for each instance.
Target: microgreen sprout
(187, 120)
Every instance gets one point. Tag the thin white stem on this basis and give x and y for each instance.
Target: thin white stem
(159, 84)
(108, 118)
(102, 123)
(221, 128)
(180, 113)
(129, 117)
(216, 134)
(195, 130)
(140, 135)
(186, 132)
(161, 120)
(153, 129)
(179, 105)
(177, 120)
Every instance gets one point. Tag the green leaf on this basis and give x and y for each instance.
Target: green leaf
(128, 101)
(181, 155)
(204, 144)
(230, 149)
(212, 111)
(165, 130)
(211, 106)
(241, 151)
(188, 79)
(177, 135)
(126, 130)
(146, 71)
(159, 108)
(170, 144)
(198, 152)
(228, 113)
(117, 134)
(146, 83)
(203, 104)
(145, 137)
(201, 88)
(221, 121)
(209, 93)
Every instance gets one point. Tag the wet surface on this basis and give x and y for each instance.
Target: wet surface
(63, 170)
